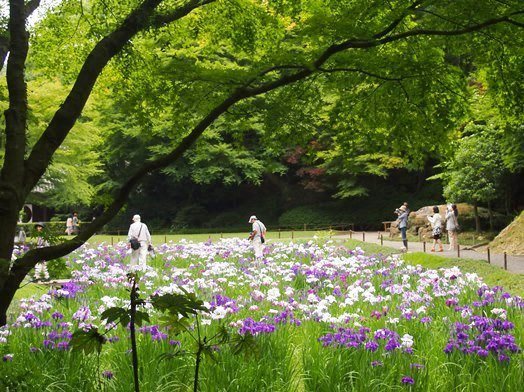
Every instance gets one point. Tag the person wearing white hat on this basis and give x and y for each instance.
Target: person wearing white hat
(140, 232)
(257, 235)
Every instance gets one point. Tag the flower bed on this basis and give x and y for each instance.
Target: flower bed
(323, 318)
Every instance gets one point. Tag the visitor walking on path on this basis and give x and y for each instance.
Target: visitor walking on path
(257, 235)
(140, 232)
(452, 226)
(436, 225)
(403, 215)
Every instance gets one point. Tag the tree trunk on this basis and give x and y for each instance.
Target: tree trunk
(8, 221)
(9, 280)
(477, 218)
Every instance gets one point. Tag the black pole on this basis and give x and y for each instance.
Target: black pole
(505, 261)
(489, 256)
(133, 336)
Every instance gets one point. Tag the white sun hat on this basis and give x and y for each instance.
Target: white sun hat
(136, 218)
(252, 218)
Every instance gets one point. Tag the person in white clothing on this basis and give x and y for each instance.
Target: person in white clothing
(69, 225)
(452, 226)
(139, 231)
(258, 234)
(436, 224)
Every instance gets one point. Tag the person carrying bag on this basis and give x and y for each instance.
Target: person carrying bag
(139, 241)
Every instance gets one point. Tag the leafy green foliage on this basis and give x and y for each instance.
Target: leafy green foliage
(88, 342)
(58, 269)
(365, 113)
(68, 180)
(475, 173)
(116, 315)
(179, 304)
(244, 344)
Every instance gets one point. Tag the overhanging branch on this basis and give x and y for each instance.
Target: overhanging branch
(31, 6)
(160, 20)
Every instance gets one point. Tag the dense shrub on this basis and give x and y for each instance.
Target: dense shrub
(190, 216)
(227, 219)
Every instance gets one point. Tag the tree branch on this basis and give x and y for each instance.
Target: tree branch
(64, 119)
(396, 22)
(514, 22)
(358, 70)
(31, 6)
(160, 20)
(4, 40)
(16, 114)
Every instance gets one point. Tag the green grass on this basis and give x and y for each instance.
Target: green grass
(29, 290)
(161, 238)
(492, 275)
(370, 248)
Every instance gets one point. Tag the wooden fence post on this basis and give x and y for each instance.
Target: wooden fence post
(363, 236)
(381, 240)
(505, 261)
(489, 256)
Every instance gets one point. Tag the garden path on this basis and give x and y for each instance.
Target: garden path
(514, 263)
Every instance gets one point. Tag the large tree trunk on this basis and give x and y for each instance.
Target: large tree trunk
(477, 218)
(8, 220)
(7, 293)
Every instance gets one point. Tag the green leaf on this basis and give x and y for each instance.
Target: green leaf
(87, 341)
(223, 334)
(116, 314)
(210, 353)
(140, 317)
(244, 344)
(175, 323)
(183, 304)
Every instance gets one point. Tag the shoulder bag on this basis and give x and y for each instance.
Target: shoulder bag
(135, 244)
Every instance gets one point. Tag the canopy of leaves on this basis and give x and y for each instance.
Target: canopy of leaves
(365, 112)
(476, 170)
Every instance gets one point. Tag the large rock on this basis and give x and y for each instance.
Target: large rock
(511, 239)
